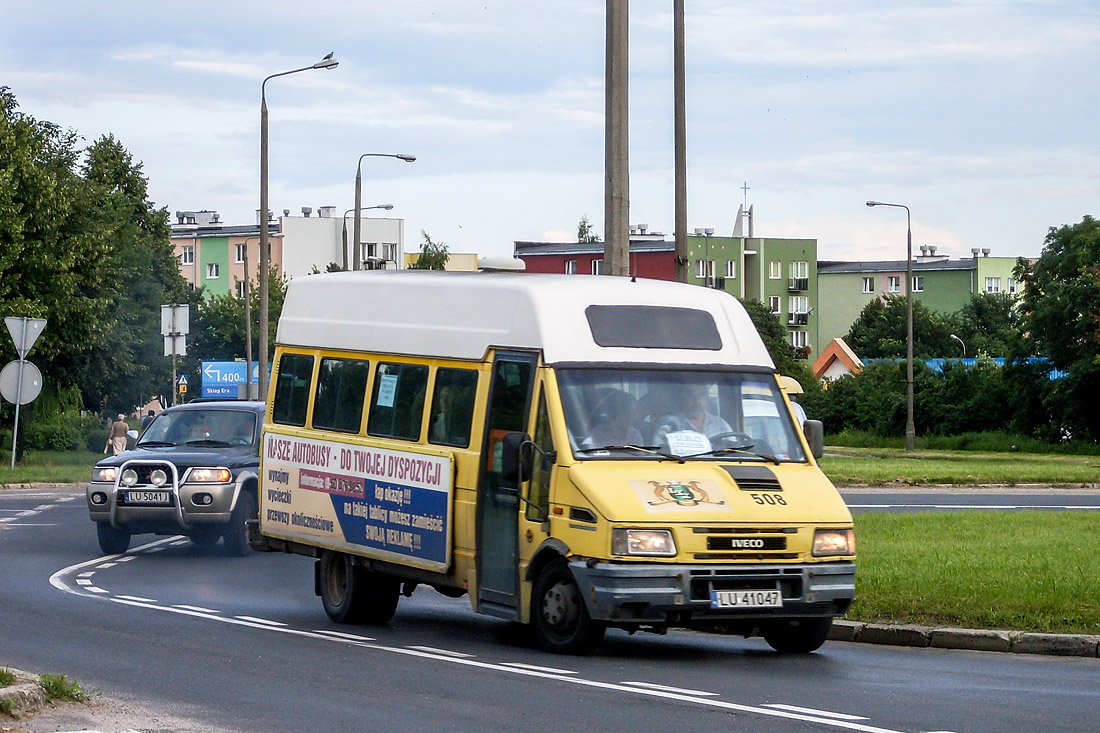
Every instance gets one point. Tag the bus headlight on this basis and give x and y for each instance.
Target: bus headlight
(210, 476)
(832, 542)
(651, 542)
(104, 475)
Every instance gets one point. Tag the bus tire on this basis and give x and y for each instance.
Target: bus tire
(561, 621)
(352, 594)
(112, 541)
(798, 635)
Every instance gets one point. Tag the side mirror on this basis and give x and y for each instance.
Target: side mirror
(515, 462)
(815, 436)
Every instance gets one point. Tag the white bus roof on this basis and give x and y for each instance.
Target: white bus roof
(567, 317)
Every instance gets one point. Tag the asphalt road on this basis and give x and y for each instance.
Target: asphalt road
(185, 640)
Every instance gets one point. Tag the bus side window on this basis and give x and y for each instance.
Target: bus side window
(397, 408)
(292, 389)
(452, 407)
(341, 386)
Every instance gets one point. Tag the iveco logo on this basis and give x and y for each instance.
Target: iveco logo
(739, 544)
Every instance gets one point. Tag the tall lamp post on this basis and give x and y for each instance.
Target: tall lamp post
(910, 430)
(328, 62)
(344, 233)
(358, 197)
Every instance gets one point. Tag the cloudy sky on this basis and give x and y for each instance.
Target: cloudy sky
(980, 115)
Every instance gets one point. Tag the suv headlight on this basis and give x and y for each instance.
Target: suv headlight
(645, 542)
(210, 476)
(104, 475)
(833, 542)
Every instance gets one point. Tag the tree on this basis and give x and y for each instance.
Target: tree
(433, 255)
(1061, 303)
(774, 334)
(880, 331)
(990, 324)
(585, 232)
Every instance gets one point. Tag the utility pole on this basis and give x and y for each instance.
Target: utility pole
(680, 104)
(616, 143)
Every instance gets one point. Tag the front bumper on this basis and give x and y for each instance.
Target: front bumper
(185, 512)
(679, 594)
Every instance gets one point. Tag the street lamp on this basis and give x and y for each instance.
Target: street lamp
(344, 233)
(956, 338)
(708, 271)
(328, 62)
(358, 196)
(910, 430)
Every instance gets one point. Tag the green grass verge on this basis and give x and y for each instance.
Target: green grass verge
(49, 467)
(847, 466)
(1025, 571)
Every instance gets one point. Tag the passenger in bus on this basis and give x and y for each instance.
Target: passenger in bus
(613, 422)
(694, 415)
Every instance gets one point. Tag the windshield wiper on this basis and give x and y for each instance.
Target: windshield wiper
(643, 448)
(156, 443)
(208, 441)
(745, 450)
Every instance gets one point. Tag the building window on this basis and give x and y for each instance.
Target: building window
(212, 271)
(241, 250)
(800, 339)
(918, 283)
(187, 256)
(597, 267)
(731, 269)
(775, 270)
(993, 285)
(868, 285)
(1012, 286)
(798, 304)
(704, 270)
(893, 284)
(773, 304)
(800, 269)
(242, 289)
(570, 267)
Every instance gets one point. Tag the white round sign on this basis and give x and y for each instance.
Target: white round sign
(12, 389)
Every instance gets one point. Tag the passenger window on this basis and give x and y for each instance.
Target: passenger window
(292, 389)
(397, 407)
(452, 407)
(341, 387)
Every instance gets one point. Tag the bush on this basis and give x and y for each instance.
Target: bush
(57, 435)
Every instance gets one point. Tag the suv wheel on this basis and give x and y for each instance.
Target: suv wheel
(236, 532)
(112, 541)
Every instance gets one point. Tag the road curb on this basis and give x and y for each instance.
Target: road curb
(25, 696)
(1014, 642)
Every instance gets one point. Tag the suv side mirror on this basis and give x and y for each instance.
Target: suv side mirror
(815, 436)
(516, 463)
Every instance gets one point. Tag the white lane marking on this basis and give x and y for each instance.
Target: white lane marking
(105, 565)
(535, 668)
(125, 558)
(814, 711)
(344, 636)
(65, 498)
(138, 598)
(57, 580)
(447, 652)
(43, 507)
(182, 542)
(83, 581)
(93, 589)
(200, 609)
(666, 688)
(86, 575)
(265, 621)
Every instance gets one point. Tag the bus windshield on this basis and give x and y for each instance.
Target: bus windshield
(659, 412)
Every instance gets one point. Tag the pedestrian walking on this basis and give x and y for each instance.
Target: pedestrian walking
(116, 438)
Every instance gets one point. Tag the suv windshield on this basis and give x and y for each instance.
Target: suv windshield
(649, 412)
(207, 427)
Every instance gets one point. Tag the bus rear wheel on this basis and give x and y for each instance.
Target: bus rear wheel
(560, 618)
(797, 636)
(351, 594)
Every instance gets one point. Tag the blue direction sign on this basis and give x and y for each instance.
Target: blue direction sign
(220, 378)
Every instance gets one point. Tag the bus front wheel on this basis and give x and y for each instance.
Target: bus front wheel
(561, 620)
